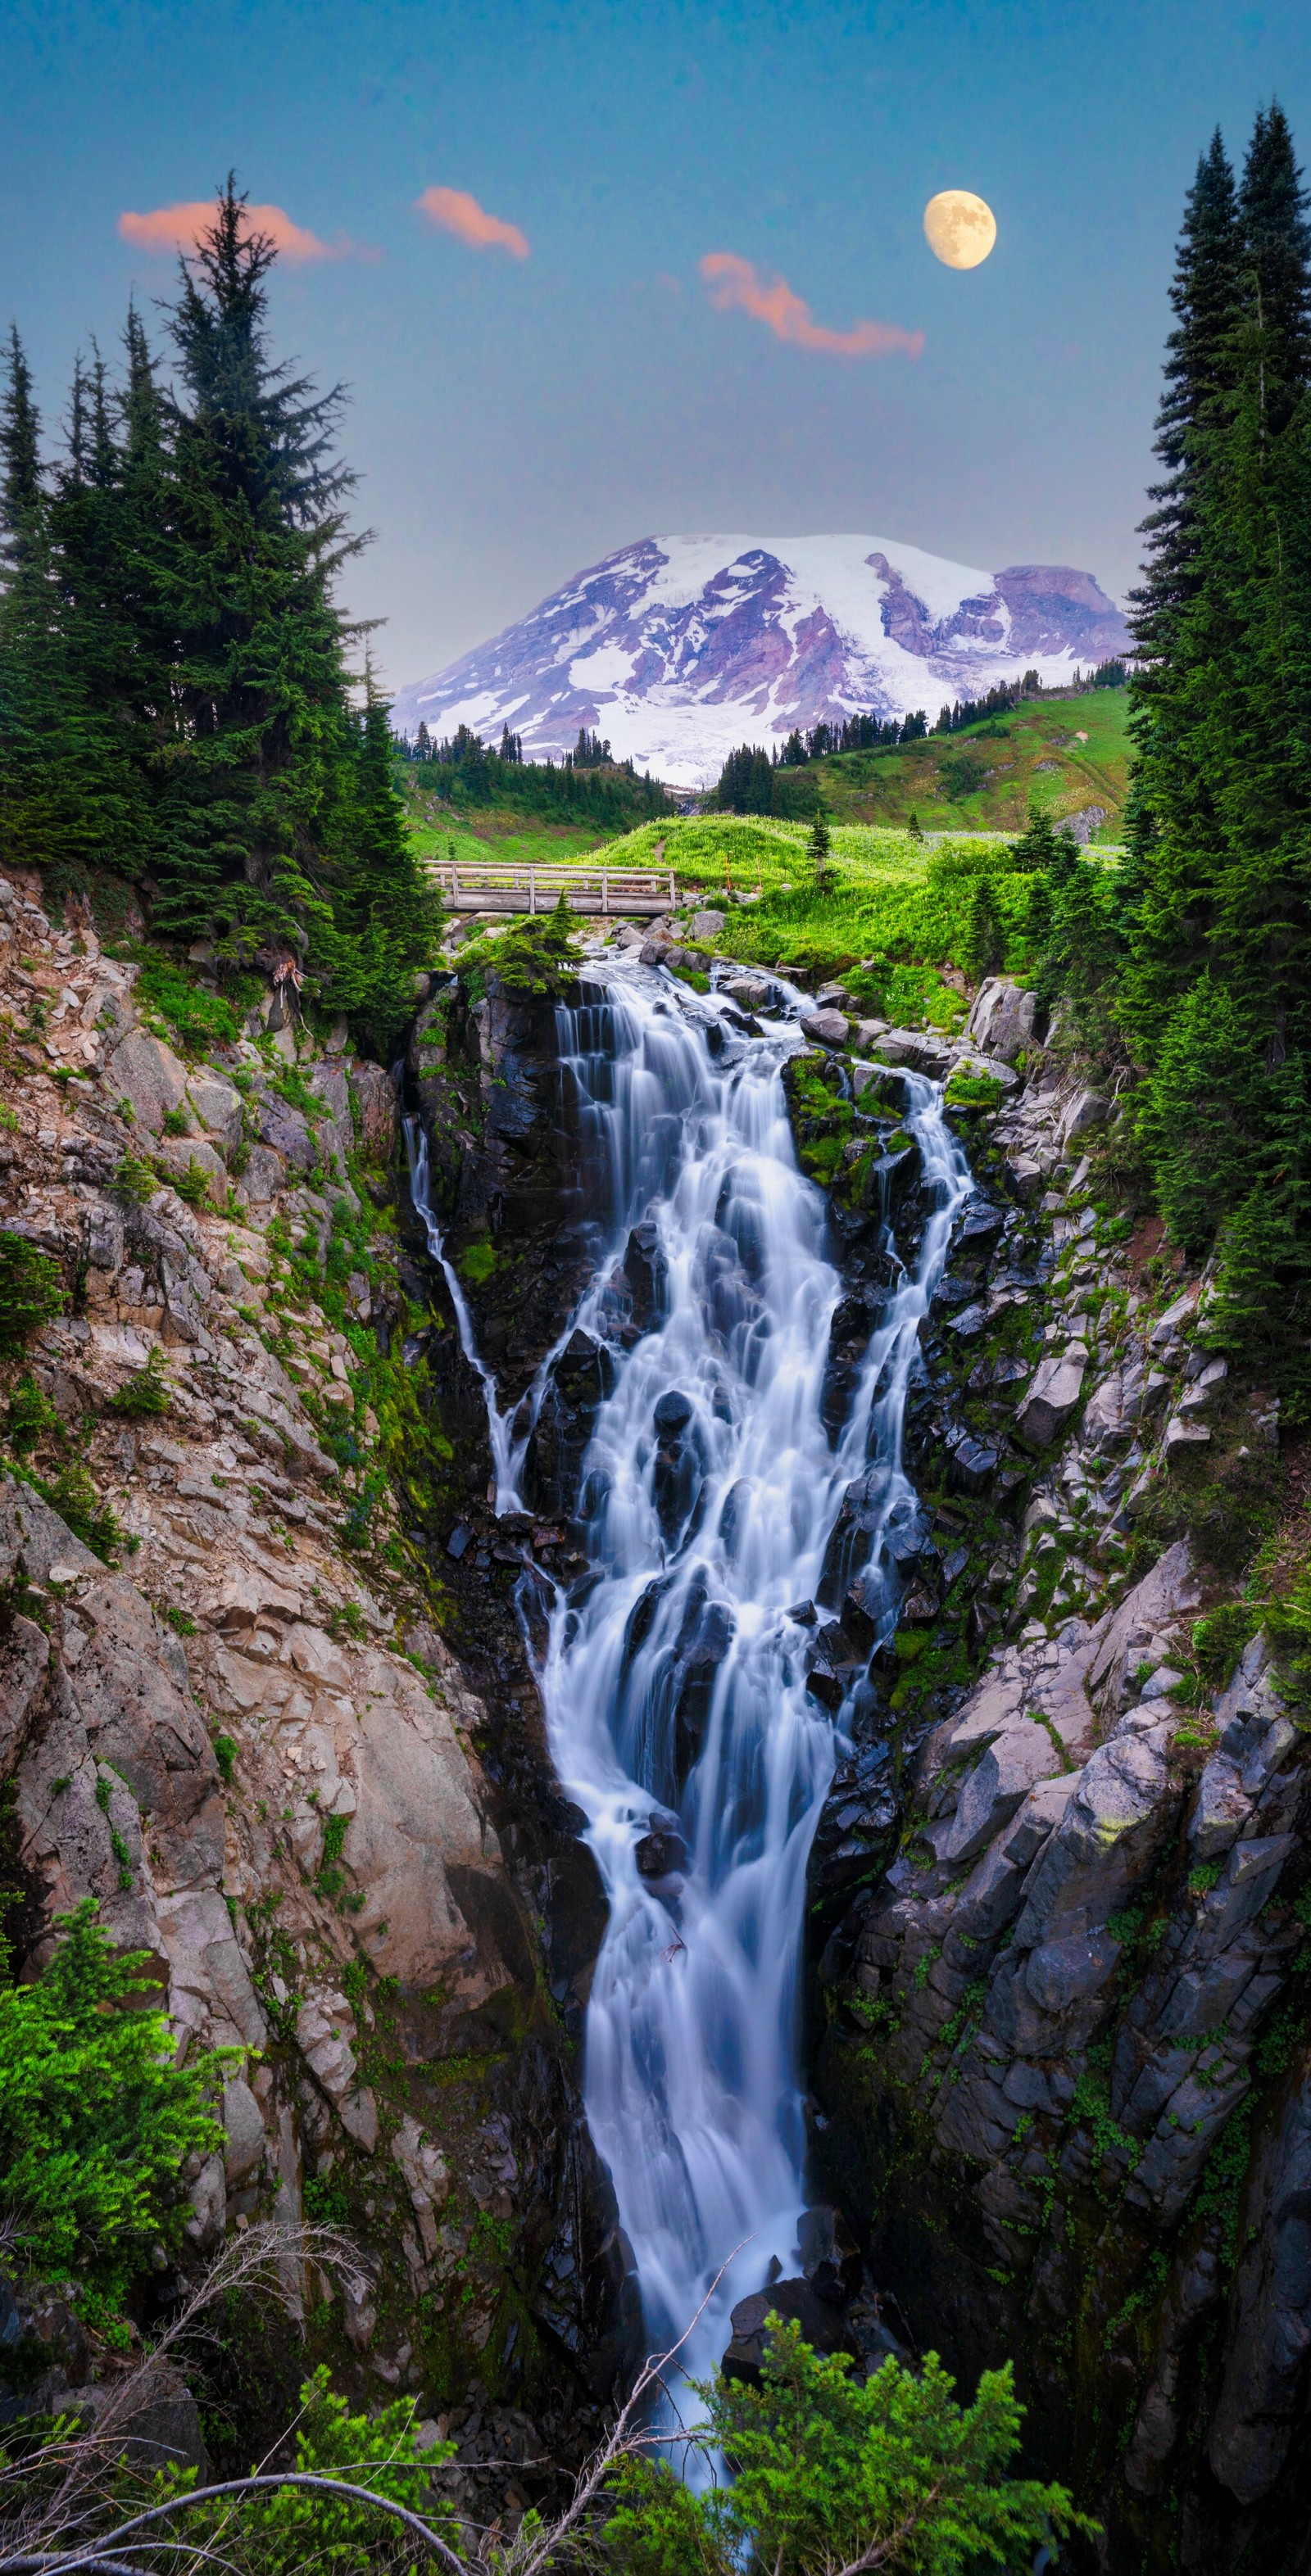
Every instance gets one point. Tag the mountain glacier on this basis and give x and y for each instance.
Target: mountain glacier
(677, 648)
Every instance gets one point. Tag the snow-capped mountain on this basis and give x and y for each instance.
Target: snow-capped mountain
(678, 648)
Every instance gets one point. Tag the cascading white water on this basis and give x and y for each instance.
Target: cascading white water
(674, 1680)
(675, 1689)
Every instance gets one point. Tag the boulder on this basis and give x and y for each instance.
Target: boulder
(1052, 1396)
(647, 1273)
(994, 1067)
(750, 992)
(1087, 1110)
(376, 1120)
(1222, 1808)
(1114, 1407)
(826, 1028)
(998, 1785)
(1182, 1433)
(146, 1072)
(243, 2133)
(705, 925)
(1024, 1177)
(1002, 1019)
(216, 1104)
(920, 1049)
(820, 2322)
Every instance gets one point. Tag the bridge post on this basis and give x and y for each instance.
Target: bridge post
(605, 890)
(532, 889)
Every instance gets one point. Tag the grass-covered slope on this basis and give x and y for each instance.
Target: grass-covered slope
(1066, 754)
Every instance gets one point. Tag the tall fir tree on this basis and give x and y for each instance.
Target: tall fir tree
(387, 911)
(254, 760)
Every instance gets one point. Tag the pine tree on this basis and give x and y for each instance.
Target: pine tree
(387, 913)
(821, 852)
(47, 783)
(255, 758)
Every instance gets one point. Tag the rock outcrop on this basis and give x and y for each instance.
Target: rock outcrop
(227, 1712)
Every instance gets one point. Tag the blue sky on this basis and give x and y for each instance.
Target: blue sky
(515, 417)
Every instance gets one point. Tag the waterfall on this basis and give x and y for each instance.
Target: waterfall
(675, 1676)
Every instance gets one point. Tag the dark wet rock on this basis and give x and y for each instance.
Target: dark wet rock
(731, 1516)
(852, 1537)
(647, 1275)
(796, 2302)
(679, 1469)
(703, 1641)
(855, 1321)
(830, 2256)
(660, 1852)
(579, 1382)
(671, 1412)
(833, 1663)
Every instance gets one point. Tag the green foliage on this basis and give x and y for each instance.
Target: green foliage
(827, 2470)
(282, 2531)
(30, 1415)
(146, 1392)
(134, 1180)
(225, 1754)
(73, 1495)
(96, 2119)
(1204, 1166)
(538, 955)
(173, 663)
(31, 1291)
(973, 1091)
(176, 1123)
(477, 1263)
(193, 1185)
(1219, 1637)
(196, 1018)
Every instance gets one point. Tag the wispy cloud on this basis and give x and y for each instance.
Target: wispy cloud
(735, 285)
(181, 227)
(459, 213)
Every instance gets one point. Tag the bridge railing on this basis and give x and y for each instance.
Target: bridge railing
(481, 886)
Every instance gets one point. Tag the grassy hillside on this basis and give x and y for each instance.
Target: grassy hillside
(501, 833)
(909, 912)
(1068, 753)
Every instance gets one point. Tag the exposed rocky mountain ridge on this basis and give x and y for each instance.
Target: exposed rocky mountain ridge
(244, 1736)
(678, 648)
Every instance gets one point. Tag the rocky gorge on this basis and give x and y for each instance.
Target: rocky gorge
(287, 1712)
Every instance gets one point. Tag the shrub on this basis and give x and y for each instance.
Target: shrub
(30, 1415)
(146, 1392)
(31, 1291)
(198, 1019)
(283, 2531)
(193, 1185)
(96, 2119)
(973, 1091)
(134, 1181)
(177, 1123)
(539, 955)
(828, 2472)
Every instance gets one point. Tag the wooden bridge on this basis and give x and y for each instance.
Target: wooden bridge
(482, 886)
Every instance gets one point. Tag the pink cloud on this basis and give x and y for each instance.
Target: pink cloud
(734, 284)
(181, 227)
(459, 213)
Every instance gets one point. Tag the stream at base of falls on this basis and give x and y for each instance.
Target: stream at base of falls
(675, 1676)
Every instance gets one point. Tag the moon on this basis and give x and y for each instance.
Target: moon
(959, 228)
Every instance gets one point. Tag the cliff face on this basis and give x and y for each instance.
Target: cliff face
(1062, 2070)
(231, 1718)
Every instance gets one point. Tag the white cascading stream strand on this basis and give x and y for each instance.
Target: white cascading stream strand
(692, 2083)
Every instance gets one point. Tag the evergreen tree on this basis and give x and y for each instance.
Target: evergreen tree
(983, 948)
(821, 852)
(387, 912)
(255, 758)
